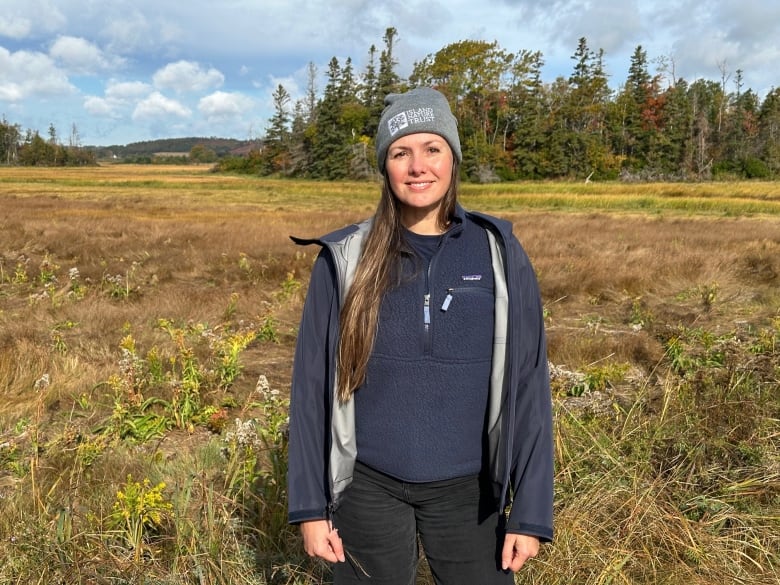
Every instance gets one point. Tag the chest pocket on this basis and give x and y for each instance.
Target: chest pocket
(458, 322)
(462, 321)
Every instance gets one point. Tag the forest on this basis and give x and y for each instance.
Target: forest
(514, 126)
(655, 126)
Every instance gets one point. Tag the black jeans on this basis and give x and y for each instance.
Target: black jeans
(380, 517)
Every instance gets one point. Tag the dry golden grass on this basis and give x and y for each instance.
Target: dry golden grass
(664, 298)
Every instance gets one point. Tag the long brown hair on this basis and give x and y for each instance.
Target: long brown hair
(375, 274)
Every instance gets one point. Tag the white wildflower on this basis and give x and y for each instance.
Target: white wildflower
(245, 434)
(262, 387)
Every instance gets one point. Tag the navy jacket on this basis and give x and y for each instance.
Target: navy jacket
(519, 420)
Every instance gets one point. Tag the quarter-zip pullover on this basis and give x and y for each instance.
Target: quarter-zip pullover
(420, 415)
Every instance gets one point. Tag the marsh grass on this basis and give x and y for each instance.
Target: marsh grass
(147, 323)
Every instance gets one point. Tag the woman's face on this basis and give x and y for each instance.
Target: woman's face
(419, 172)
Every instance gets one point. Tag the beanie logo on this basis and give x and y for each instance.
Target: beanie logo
(408, 118)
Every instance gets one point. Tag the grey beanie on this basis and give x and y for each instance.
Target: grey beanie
(419, 110)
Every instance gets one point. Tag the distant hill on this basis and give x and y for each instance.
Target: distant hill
(171, 146)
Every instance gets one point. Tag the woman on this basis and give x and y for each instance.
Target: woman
(420, 402)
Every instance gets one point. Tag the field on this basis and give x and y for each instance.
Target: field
(147, 323)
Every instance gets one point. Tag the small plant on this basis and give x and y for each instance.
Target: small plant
(593, 322)
(269, 330)
(155, 366)
(597, 378)
(139, 512)
(58, 342)
(185, 403)
(215, 418)
(77, 289)
(90, 449)
(131, 420)
(272, 480)
(230, 310)
(244, 265)
(708, 294)
(118, 285)
(693, 349)
(640, 317)
(20, 272)
(289, 287)
(275, 410)
(47, 271)
(228, 350)
(131, 368)
(768, 339)
(600, 377)
(241, 450)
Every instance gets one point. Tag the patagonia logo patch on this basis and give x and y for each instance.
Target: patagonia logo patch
(468, 277)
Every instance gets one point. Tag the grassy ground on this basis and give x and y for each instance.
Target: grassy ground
(147, 321)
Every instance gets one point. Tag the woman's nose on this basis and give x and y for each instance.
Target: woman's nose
(416, 166)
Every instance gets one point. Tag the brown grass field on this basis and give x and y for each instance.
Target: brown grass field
(143, 309)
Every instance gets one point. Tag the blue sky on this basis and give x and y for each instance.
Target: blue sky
(124, 71)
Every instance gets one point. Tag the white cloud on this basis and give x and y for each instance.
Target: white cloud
(26, 75)
(221, 105)
(127, 90)
(119, 96)
(80, 56)
(159, 106)
(30, 19)
(127, 34)
(186, 76)
(127, 30)
(14, 27)
(101, 107)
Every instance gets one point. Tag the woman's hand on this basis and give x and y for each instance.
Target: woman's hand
(321, 540)
(518, 548)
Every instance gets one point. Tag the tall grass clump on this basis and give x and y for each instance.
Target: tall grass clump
(681, 487)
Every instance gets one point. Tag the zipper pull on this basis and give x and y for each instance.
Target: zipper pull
(447, 300)
(427, 310)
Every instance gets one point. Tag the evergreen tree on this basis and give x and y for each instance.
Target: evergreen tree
(583, 133)
(300, 141)
(528, 115)
(635, 135)
(677, 154)
(354, 117)
(369, 92)
(740, 135)
(276, 150)
(388, 81)
(304, 129)
(330, 148)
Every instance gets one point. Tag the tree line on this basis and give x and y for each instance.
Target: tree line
(514, 126)
(31, 149)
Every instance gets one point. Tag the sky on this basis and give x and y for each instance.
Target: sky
(119, 71)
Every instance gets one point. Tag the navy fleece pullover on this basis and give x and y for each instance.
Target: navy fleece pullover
(420, 415)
